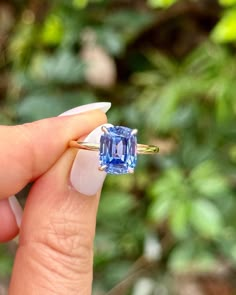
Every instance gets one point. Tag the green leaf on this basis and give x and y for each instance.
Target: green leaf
(223, 109)
(111, 40)
(21, 45)
(43, 105)
(225, 30)
(166, 105)
(165, 192)
(105, 247)
(5, 266)
(52, 31)
(232, 153)
(232, 252)
(212, 186)
(207, 180)
(116, 271)
(171, 185)
(4, 119)
(159, 210)
(36, 107)
(63, 67)
(115, 205)
(194, 154)
(80, 3)
(188, 256)
(227, 2)
(129, 23)
(160, 3)
(165, 65)
(6, 262)
(179, 219)
(206, 218)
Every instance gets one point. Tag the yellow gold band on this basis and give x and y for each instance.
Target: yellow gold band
(141, 148)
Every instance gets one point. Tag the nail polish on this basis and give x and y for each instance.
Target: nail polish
(85, 176)
(103, 106)
(16, 209)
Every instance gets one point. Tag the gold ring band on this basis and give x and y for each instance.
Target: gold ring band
(141, 148)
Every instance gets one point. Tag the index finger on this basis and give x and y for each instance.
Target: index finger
(29, 150)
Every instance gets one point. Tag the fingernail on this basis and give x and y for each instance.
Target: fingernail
(85, 176)
(103, 106)
(16, 209)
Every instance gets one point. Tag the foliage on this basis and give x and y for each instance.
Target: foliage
(160, 3)
(5, 262)
(225, 30)
(176, 213)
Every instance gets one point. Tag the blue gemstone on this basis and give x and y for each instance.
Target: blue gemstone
(118, 150)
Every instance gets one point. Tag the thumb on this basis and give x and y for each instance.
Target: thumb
(55, 254)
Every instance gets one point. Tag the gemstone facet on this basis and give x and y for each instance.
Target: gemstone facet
(118, 150)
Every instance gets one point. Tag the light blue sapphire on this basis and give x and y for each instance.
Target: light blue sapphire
(118, 150)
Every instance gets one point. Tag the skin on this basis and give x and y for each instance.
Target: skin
(55, 253)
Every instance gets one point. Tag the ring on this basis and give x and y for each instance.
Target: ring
(118, 149)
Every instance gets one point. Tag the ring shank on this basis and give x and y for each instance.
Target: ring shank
(141, 148)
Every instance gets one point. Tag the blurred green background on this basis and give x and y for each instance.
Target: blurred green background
(169, 69)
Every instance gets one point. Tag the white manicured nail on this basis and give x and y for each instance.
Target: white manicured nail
(103, 106)
(85, 176)
(16, 209)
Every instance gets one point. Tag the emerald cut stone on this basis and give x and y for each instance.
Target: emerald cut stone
(118, 150)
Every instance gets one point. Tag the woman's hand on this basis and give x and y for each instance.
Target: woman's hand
(55, 253)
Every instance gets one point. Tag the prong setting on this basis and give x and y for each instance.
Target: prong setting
(130, 170)
(105, 130)
(102, 168)
(134, 132)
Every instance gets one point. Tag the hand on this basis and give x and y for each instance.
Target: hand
(55, 253)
